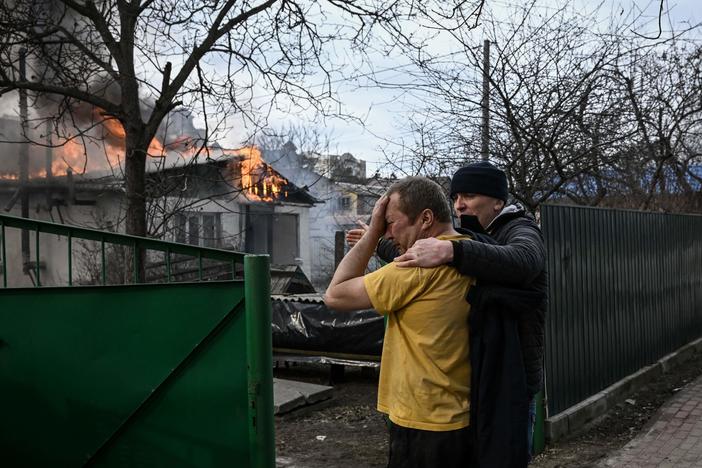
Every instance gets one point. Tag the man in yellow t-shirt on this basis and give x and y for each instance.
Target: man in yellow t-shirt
(425, 369)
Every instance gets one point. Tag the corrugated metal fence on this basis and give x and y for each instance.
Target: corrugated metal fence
(625, 289)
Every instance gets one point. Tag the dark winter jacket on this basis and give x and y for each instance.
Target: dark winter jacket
(517, 260)
(498, 401)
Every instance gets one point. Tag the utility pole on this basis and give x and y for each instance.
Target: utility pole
(24, 158)
(485, 103)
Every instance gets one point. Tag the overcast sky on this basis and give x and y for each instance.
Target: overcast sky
(385, 112)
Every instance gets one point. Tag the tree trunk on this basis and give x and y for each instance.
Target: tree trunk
(135, 178)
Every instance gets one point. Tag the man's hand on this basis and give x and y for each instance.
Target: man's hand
(377, 223)
(426, 253)
(346, 290)
(354, 235)
(377, 227)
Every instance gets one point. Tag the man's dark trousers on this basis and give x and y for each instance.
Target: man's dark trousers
(414, 448)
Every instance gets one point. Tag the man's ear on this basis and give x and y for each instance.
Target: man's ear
(427, 217)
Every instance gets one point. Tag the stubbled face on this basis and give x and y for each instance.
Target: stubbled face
(398, 228)
(483, 207)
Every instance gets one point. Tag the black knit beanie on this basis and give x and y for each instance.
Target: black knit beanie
(482, 178)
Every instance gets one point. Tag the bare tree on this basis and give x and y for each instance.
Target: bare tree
(664, 97)
(576, 112)
(305, 138)
(133, 62)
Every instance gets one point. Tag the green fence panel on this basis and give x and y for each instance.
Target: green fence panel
(625, 289)
(145, 375)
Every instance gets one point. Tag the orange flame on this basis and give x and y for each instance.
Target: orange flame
(111, 125)
(258, 180)
(71, 153)
(115, 136)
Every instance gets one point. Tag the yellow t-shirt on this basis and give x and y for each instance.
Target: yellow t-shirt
(425, 370)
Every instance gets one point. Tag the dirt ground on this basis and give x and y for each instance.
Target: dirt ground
(347, 431)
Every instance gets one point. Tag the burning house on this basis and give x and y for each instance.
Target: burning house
(347, 195)
(229, 199)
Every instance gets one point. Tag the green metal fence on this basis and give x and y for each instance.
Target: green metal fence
(136, 245)
(168, 375)
(625, 289)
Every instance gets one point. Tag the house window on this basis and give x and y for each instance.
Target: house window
(209, 233)
(181, 228)
(345, 203)
(194, 230)
(202, 229)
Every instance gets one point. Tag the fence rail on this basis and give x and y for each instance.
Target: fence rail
(137, 245)
(625, 289)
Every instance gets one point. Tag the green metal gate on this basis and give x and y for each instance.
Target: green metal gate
(171, 375)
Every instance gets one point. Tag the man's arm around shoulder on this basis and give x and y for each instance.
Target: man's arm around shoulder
(517, 260)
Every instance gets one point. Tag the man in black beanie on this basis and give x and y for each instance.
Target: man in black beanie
(511, 274)
(508, 309)
(480, 190)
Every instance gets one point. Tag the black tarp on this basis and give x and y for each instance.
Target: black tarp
(313, 327)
